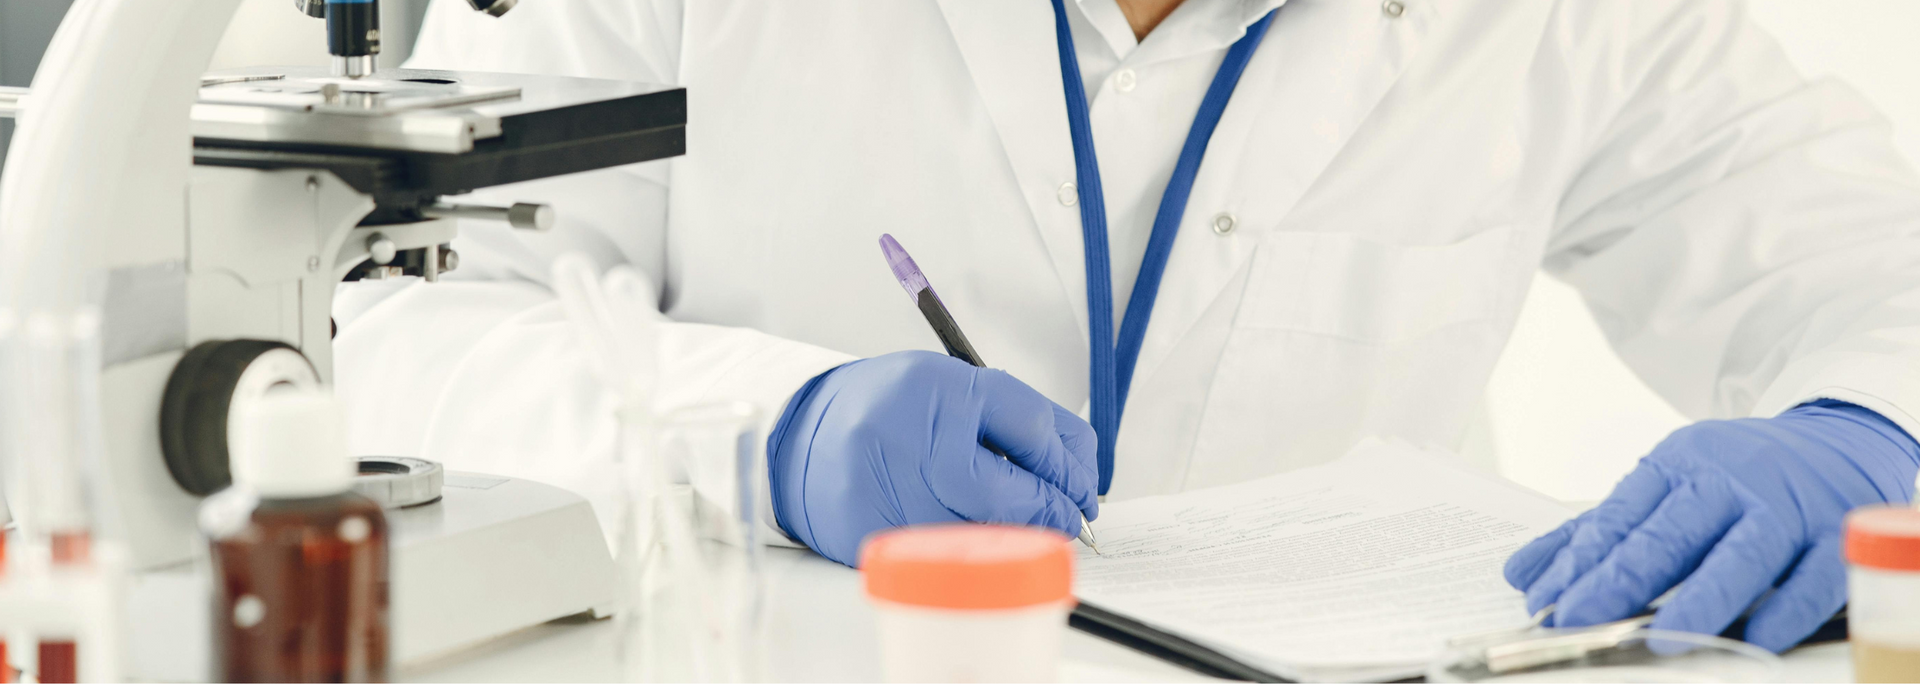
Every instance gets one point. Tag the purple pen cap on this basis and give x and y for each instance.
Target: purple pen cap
(904, 270)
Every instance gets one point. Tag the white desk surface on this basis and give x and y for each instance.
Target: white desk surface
(822, 630)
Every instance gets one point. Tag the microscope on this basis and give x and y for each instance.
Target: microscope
(209, 217)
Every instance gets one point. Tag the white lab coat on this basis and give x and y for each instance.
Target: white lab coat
(1746, 237)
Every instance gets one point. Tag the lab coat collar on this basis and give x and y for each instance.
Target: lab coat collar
(1195, 27)
(1202, 31)
(1110, 23)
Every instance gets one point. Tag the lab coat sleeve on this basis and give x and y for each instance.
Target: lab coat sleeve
(1745, 237)
(482, 371)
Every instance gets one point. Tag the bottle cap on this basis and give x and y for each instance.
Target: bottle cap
(968, 566)
(291, 445)
(1884, 537)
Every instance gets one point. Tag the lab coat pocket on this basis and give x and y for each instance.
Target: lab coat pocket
(1351, 287)
(1339, 337)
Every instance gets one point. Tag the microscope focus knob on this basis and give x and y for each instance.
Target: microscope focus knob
(211, 384)
(381, 250)
(521, 215)
(528, 216)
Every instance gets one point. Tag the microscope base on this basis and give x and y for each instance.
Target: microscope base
(493, 556)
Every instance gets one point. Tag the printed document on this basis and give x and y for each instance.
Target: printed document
(1363, 567)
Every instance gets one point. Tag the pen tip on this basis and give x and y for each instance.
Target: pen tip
(904, 270)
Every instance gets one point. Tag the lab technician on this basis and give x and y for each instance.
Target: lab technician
(1308, 221)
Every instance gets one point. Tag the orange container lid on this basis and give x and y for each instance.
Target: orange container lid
(968, 566)
(1884, 537)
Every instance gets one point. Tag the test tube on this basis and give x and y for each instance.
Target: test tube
(695, 602)
(720, 448)
(51, 447)
(47, 469)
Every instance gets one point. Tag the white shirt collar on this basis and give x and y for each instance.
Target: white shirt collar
(1195, 26)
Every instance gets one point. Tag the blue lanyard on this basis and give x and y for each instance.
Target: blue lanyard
(1112, 360)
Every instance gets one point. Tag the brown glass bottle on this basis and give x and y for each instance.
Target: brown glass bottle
(301, 591)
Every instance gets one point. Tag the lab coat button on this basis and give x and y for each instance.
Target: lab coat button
(1069, 194)
(1124, 80)
(1393, 8)
(1224, 223)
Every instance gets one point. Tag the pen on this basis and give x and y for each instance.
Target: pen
(944, 326)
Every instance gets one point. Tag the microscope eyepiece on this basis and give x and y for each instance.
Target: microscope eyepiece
(493, 7)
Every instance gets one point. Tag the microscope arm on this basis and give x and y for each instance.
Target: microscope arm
(96, 169)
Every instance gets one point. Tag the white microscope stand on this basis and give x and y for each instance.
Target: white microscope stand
(100, 182)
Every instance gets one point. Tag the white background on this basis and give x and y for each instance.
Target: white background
(1564, 416)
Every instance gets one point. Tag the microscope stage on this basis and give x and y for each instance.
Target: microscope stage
(436, 96)
(406, 132)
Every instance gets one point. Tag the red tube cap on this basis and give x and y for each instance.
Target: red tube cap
(1884, 537)
(967, 566)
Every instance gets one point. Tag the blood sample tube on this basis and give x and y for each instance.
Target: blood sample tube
(59, 657)
(52, 420)
(59, 661)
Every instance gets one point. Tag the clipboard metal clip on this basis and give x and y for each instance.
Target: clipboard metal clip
(1511, 650)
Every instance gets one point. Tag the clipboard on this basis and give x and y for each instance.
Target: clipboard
(1165, 645)
(1205, 660)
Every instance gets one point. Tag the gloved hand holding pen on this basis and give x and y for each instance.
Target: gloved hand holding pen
(1728, 511)
(904, 439)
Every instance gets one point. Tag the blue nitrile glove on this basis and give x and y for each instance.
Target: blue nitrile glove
(1735, 508)
(902, 439)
